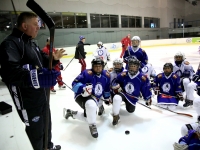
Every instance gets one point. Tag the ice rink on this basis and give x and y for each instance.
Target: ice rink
(149, 129)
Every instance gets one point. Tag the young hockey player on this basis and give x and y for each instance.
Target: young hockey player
(136, 51)
(167, 88)
(185, 71)
(103, 53)
(89, 87)
(57, 67)
(132, 83)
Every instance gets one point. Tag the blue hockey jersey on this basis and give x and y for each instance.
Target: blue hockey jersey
(133, 85)
(140, 54)
(101, 83)
(169, 87)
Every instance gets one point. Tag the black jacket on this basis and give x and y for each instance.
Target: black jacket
(80, 51)
(15, 51)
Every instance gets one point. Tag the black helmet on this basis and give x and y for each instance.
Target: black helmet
(97, 61)
(133, 61)
(170, 66)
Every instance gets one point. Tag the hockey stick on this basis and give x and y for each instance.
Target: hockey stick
(184, 114)
(68, 64)
(157, 110)
(14, 9)
(51, 25)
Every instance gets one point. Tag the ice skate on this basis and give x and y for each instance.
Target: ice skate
(93, 131)
(188, 103)
(101, 110)
(56, 147)
(115, 120)
(62, 87)
(178, 146)
(68, 113)
(53, 91)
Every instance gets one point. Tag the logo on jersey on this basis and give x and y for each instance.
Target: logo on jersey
(179, 73)
(98, 89)
(166, 87)
(145, 69)
(100, 52)
(129, 88)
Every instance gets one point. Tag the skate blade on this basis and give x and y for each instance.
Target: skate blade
(64, 112)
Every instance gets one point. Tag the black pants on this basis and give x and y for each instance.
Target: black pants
(35, 126)
(129, 107)
(81, 102)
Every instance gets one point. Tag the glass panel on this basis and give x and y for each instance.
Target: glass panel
(131, 22)
(138, 22)
(105, 21)
(146, 22)
(114, 21)
(95, 20)
(124, 21)
(5, 21)
(81, 20)
(57, 19)
(68, 20)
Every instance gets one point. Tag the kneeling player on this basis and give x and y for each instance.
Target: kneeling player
(132, 83)
(168, 88)
(89, 87)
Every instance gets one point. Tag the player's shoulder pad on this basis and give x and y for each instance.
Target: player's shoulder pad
(144, 78)
(159, 75)
(186, 62)
(174, 76)
(143, 51)
(89, 72)
(123, 74)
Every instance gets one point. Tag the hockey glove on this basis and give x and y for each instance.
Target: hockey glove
(87, 90)
(108, 101)
(61, 67)
(180, 96)
(148, 102)
(116, 88)
(195, 78)
(43, 78)
(156, 90)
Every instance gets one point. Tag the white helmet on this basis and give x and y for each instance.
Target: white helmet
(180, 54)
(100, 43)
(137, 38)
(118, 60)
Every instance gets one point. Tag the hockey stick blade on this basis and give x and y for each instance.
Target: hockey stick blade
(41, 13)
(157, 110)
(184, 114)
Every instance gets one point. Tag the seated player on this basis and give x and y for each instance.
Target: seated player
(132, 82)
(185, 71)
(167, 88)
(90, 87)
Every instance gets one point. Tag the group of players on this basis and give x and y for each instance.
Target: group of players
(136, 80)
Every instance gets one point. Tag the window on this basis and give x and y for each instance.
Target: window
(57, 19)
(95, 20)
(114, 21)
(5, 21)
(68, 20)
(81, 20)
(124, 21)
(138, 22)
(151, 22)
(104, 21)
(131, 22)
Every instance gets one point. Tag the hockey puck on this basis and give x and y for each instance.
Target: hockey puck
(127, 132)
